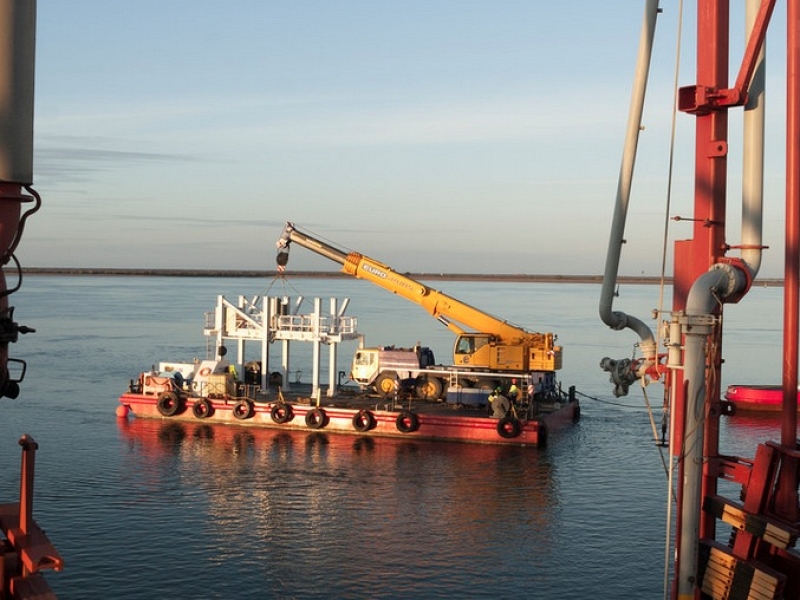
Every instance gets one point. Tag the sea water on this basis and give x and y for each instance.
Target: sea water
(151, 509)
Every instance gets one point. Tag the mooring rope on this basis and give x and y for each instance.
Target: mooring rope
(608, 402)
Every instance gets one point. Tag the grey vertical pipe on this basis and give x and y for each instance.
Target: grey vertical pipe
(17, 53)
(614, 319)
(333, 351)
(753, 158)
(699, 304)
(716, 284)
(692, 457)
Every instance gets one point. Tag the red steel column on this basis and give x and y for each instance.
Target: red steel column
(786, 493)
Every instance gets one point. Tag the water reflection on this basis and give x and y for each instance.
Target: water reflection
(743, 432)
(389, 514)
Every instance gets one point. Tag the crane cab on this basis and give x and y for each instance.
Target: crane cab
(469, 347)
(484, 351)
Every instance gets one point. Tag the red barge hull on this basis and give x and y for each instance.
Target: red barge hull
(435, 422)
(756, 398)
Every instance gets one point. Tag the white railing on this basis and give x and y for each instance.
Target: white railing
(321, 325)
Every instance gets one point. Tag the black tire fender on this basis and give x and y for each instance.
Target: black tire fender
(316, 418)
(202, 409)
(169, 404)
(281, 413)
(542, 438)
(407, 421)
(508, 427)
(243, 409)
(363, 420)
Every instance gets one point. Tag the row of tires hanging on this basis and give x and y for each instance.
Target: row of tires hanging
(170, 404)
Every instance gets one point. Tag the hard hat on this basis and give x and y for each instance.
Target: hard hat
(498, 389)
(514, 380)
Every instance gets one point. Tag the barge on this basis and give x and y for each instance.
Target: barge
(432, 402)
(155, 396)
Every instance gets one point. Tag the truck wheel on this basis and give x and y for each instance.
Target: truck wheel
(428, 388)
(385, 384)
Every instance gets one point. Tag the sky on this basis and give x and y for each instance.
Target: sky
(449, 136)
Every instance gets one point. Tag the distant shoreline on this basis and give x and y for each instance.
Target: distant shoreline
(503, 277)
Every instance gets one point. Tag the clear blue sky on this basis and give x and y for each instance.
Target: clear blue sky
(438, 136)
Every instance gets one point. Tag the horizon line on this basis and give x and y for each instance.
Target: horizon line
(250, 273)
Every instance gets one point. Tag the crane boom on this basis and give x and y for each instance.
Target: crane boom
(493, 343)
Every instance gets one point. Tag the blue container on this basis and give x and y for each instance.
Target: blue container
(467, 396)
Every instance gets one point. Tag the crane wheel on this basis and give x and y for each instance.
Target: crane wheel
(508, 427)
(281, 413)
(169, 404)
(243, 409)
(316, 418)
(202, 409)
(407, 421)
(363, 420)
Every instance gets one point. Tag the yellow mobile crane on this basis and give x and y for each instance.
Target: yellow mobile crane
(493, 345)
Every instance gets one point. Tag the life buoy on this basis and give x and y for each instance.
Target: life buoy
(363, 420)
(168, 404)
(243, 409)
(407, 421)
(508, 427)
(281, 413)
(204, 372)
(202, 409)
(316, 418)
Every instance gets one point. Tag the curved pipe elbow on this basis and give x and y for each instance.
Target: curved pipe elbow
(722, 281)
(618, 321)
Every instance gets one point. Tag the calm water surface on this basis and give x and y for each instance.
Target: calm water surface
(144, 509)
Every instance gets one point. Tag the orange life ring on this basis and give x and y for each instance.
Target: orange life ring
(204, 371)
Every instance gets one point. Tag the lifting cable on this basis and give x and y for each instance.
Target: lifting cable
(284, 284)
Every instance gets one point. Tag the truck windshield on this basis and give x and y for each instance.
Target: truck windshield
(363, 358)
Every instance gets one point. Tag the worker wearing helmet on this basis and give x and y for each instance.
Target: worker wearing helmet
(498, 403)
(513, 391)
